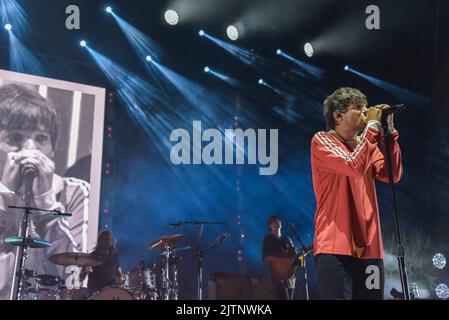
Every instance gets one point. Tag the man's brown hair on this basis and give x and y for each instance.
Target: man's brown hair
(339, 101)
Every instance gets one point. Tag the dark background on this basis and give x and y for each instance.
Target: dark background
(143, 192)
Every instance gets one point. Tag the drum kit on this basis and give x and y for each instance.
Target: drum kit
(160, 282)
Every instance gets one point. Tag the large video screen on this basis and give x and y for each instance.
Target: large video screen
(56, 129)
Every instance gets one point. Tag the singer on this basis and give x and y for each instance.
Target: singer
(28, 139)
(345, 165)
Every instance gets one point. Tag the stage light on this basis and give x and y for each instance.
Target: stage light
(442, 291)
(148, 58)
(439, 261)
(201, 33)
(172, 17)
(346, 68)
(8, 26)
(108, 9)
(83, 43)
(261, 82)
(278, 51)
(232, 33)
(308, 49)
(206, 69)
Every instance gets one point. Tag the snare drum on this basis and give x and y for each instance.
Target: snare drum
(112, 293)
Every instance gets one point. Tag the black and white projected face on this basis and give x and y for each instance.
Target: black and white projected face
(56, 127)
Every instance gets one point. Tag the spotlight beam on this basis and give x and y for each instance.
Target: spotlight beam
(403, 94)
(221, 76)
(310, 69)
(146, 49)
(246, 56)
(283, 94)
(12, 13)
(142, 44)
(142, 101)
(21, 59)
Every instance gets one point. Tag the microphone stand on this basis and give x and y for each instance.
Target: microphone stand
(400, 248)
(200, 254)
(22, 250)
(20, 256)
(304, 254)
(196, 223)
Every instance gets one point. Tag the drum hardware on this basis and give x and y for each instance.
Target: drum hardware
(24, 244)
(200, 253)
(142, 283)
(40, 287)
(23, 241)
(169, 278)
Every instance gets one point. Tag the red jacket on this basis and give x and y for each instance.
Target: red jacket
(347, 215)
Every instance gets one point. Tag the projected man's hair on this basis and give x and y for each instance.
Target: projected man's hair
(22, 108)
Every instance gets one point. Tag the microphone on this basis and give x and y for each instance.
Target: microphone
(394, 109)
(223, 236)
(29, 171)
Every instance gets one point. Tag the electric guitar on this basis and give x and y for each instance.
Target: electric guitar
(285, 270)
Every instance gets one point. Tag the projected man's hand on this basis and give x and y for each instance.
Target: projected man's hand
(11, 177)
(44, 165)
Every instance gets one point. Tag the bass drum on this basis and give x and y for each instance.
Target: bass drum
(112, 293)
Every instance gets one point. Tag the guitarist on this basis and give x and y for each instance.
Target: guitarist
(278, 250)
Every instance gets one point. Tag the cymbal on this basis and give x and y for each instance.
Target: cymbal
(28, 242)
(179, 250)
(166, 241)
(76, 259)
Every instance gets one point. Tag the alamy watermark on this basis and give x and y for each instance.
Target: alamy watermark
(216, 147)
(372, 281)
(373, 20)
(73, 21)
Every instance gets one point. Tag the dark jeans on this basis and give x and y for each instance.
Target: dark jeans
(348, 278)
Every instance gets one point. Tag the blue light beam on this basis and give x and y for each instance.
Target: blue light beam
(142, 44)
(221, 76)
(244, 55)
(403, 94)
(144, 102)
(283, 94)
(146, 49)
(11, 12)
(310, 69)
(21, 59)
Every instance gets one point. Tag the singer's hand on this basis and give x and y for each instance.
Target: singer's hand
(45, 166)
(374, 113)
(390, 119)
(11, 177)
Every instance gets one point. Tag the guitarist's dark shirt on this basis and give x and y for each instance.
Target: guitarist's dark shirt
(273, 246)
